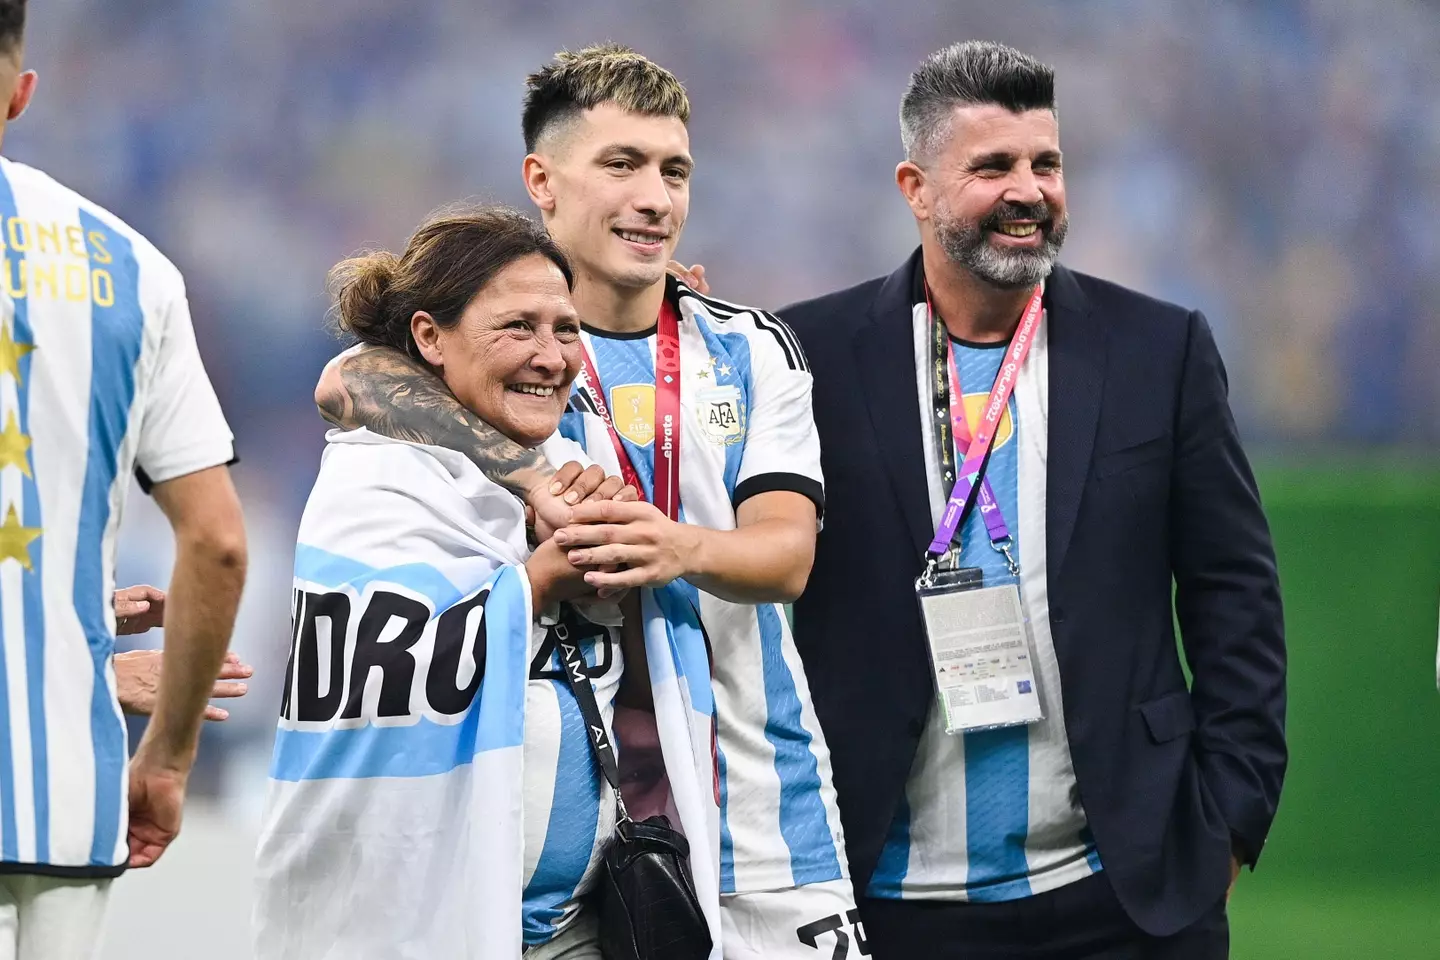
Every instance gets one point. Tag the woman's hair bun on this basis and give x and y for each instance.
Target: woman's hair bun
(358, 286)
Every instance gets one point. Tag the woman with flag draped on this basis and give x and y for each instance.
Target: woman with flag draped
(433, 789)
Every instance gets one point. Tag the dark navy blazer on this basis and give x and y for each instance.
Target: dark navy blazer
(1150, 498)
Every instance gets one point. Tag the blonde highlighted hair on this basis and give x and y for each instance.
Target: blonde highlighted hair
(605, 73)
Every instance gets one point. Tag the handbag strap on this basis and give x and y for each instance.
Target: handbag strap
(601, 743)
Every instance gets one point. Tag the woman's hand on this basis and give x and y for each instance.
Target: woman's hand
(547, 507)
(553, 579)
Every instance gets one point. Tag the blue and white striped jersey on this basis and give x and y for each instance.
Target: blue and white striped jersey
(569, 808)
(993, 815)
(747, 428)
(99, 377)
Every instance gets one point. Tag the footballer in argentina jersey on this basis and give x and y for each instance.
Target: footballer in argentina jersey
(99, 377)
(747, 428)
(993, 815)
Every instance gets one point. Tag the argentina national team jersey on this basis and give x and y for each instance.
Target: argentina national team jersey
(99, 376)
(993, 815)
(747, 428)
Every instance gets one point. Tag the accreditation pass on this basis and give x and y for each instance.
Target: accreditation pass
(980, 652)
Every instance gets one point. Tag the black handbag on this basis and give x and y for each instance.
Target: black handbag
(646, 898)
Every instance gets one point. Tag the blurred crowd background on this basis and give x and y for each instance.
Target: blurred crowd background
(1275, 163)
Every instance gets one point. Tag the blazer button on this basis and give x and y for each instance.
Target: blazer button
(1057, 614)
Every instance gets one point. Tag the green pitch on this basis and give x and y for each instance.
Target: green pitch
(1349, 872)
(1326, 919)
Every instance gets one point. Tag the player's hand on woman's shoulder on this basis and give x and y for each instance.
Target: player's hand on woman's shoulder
(693, 277)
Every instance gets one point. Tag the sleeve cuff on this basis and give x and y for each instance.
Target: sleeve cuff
(808, 487)
(147, 483)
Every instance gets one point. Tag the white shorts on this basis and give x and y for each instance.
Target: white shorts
(49, 918)
(814, 922)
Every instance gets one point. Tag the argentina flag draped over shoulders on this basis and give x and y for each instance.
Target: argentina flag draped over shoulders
(395, 821)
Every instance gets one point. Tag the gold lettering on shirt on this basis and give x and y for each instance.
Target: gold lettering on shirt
(47, 235)
(44, 273)
(55, 262)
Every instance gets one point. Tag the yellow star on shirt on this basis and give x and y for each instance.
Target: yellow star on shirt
(10, 354)
(14, 447)
(15, 539)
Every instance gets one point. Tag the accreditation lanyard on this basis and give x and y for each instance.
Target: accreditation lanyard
(950, 417)
(667, 414)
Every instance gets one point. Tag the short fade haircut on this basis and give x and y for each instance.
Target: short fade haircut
(12, 25)
(605, 73)
(971, 73)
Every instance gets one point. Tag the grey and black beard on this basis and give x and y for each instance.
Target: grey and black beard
(967, 244)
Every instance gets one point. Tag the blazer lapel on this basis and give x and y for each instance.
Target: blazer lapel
(1077, 375)
(885, 359)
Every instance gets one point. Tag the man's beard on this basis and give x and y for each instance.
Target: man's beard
(968, 244)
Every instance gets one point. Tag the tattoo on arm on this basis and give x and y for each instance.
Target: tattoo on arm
(398, 397)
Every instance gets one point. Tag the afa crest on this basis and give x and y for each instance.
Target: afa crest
(721, 414)
(632, 405)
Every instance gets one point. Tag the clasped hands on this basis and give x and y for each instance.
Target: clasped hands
(597, 539)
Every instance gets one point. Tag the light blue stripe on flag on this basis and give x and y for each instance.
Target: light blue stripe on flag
(997, 813)
(116, 330)
(803, 824)
(315, 565)
(418, 750)
(426, 748)
(9, 832)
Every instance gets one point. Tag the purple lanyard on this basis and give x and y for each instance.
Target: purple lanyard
(950, 415)
(989, 506)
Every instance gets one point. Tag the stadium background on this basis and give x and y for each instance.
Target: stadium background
(1276, 164)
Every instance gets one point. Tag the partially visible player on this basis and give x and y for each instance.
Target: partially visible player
(99, 376)
(720, 436)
